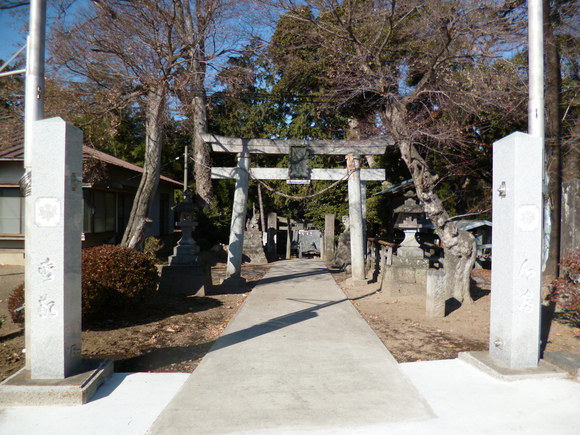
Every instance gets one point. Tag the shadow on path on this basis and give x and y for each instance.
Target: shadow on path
(279, 322)
(279, 278)
(154, 359)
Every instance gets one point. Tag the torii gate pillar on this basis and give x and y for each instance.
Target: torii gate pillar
(236, 244)
(356, 222)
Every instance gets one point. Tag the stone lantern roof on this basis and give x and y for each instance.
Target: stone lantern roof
(410, 206)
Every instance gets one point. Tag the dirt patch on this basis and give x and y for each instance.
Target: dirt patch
(174, 333)
(171, 334)
(402, 325)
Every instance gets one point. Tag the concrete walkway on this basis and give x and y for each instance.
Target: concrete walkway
(298, 358)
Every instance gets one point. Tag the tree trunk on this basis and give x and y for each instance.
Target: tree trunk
(459, 246)
(553, 134)
(458, 266)
(201, 150)
(194, 23)
(139, 221)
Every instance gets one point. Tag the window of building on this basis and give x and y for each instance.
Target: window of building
(100, 211)
(11, 211)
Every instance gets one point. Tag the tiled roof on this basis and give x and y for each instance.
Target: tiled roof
(17, 153)
(12, 153)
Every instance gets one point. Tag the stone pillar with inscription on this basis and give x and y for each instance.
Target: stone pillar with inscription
(53, 286)
(435, 296)
(54, 374)
(328, 237)
(517, 251)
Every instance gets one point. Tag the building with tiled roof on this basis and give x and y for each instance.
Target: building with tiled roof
(109, 187)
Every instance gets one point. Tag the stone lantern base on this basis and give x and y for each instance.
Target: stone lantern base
(408, 272)
(185, 279)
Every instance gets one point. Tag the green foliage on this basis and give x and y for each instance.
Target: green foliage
(115, 279)
(152, 249)
(566, 289)
(16, 304)
(258, 103)
(361, 57)
(245, 107)
(213, 225)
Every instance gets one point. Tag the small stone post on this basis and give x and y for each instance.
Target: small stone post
(517, 251)
(435, 306)
(236, 244)
(329, 237)
(53, 286)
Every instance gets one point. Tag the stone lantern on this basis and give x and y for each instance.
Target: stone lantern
(410, 219)
(186, 251)
(185, 274)
(408, 272)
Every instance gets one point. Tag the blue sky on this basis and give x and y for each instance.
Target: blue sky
(10, 39)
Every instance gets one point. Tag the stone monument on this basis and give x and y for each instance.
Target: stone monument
(328, 237)
(342, 256)
(514, 348)
(517, 251)
(253, 247)
(54, 372)
(53, 302)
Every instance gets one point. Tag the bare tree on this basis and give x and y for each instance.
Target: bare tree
(127, 50)
(430, 71)
(565, 20)
(203, 31)
(13, 4)
(561, 35)
(146, 50)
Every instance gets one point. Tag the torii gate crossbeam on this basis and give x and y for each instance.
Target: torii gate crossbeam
(242, 173)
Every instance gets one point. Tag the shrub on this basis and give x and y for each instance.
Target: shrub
(566, 289)
(16, 304)
(152, 248)
(115, 279)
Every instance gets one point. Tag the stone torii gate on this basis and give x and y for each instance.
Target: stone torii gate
(300, 150)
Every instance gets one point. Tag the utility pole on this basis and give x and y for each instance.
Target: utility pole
(536, 68)
(536, 118)
(34, 94)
